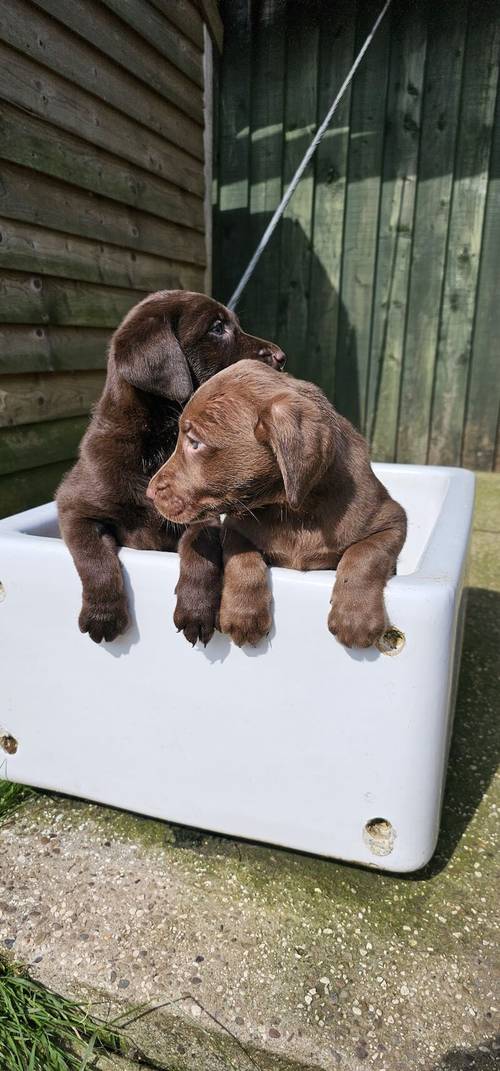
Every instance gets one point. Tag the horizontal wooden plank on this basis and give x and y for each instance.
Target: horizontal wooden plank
(149, 23)
(26, 247)
(33, 143)
(26, 84)
(31, 197)
(109, 35)
(46, 41)
(185, 15)
(28, 399)
(31, 445)
(23, 490)
(37, 299)
(26, 348)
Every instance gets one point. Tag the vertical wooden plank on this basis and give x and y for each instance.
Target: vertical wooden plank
(266, 157)
(404, 102)
(330, 178)
(231, 233)
(296, 228)
(361, 216)
(464, 236)
(484, 388)
(445, 49)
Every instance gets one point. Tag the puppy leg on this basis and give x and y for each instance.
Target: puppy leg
(245, 613)
(200, 583)
(357, 614)
(104, 613)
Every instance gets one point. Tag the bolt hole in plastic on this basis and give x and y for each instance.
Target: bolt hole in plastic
(391, 641)
(8, 743)
(379, 835)
(2, 592)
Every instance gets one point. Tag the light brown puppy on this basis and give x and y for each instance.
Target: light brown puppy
(294, 480)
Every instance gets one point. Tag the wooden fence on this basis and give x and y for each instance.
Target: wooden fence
(382, 283)
(101, 201)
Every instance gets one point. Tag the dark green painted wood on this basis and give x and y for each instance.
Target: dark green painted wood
(108, 34)
(145, 20)
(32, 487)
(388, 263)
(37, 35)
(49, 348)
(32, 445)
(325, 311)
(43, 299)
(395, 231)
(29, 399)
(26, 84)
(483, 409)
(26, 247)
(31, 197)
(465, 234)
(29, 141)
(361, 217)
(266, 157)
(301, 107)
(441, 110)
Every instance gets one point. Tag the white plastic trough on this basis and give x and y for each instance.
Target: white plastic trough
(299, 742)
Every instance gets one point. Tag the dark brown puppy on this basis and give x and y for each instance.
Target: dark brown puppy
(165, 347)
(294, 479)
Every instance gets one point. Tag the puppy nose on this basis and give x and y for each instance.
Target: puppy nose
(274, 356)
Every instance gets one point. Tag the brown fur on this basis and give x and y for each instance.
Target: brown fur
(165, 347)
(294, 479)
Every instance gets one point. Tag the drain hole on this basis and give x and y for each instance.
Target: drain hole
(8, 743)
(2, 592)
(391, 641)
(379, 835)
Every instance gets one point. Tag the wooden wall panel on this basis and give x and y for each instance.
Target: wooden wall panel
(382, 279)
(101, 202)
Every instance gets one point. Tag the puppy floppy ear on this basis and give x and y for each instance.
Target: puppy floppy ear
(148, 354)
(301, 440)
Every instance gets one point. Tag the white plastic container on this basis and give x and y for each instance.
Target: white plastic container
(298, 742)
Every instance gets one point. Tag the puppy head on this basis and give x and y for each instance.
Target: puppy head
(249, 438)
(174, 340)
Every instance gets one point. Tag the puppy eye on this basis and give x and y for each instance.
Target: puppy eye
(217, 327)
(194, 443)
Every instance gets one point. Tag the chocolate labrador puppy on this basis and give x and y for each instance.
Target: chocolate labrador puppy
(165, 347)
(294, 480)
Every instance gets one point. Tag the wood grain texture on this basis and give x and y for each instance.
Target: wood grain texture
(33, 143)
(440, 119)
(28, 399)
(43, 299)
(28, 196)
(31, 445)
(186, 16)
(366, 140)
(296, 228)
(325, 311)
(395, 232)
(31, 487)
(26, 247)
(147, 20)
(465, 234)
(483, 405)
(95, 23)
(47, 42)
(266, 160)
(37, 348)
(26, 84)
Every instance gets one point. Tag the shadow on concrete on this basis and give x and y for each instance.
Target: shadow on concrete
(482, 1058)
(475, 747)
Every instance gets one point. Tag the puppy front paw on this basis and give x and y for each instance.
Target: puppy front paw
(104, 621)
(357, 619)
(196, 622)
(247, 624)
